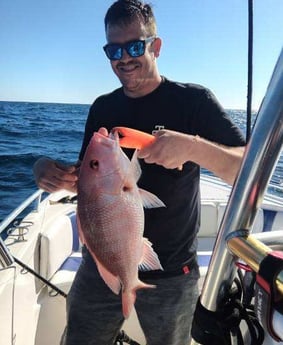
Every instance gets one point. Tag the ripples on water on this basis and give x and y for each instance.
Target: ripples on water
(31, 130)
(239, 117)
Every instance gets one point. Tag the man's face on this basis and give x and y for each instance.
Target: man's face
(136, 74)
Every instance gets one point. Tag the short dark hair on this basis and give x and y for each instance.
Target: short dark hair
(124, 12)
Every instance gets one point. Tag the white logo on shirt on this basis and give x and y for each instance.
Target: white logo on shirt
(157, 128)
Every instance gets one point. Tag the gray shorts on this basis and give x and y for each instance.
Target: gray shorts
(95, 316)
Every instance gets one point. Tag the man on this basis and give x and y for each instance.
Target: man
(191, 130)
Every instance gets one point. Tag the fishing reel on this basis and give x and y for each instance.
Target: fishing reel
(263, 278)
(256, 297)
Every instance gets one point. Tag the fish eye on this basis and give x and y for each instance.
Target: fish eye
(94, 164)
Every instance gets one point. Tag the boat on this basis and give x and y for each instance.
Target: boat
(40, 251)
(44, 245)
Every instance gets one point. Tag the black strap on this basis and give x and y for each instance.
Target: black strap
(217, 327)
(207, 327)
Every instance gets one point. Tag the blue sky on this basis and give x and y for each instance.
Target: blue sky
(51, 51)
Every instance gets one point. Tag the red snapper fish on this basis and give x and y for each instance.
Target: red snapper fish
(111, 216)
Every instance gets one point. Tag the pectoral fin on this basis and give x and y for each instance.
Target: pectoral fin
(150, 200)
(110, 280)
(149, 260)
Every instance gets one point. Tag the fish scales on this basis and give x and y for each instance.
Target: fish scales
(111, 216)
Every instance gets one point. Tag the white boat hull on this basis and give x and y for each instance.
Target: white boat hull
(32, 314)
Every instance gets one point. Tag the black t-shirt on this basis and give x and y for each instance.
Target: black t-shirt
(187, 108)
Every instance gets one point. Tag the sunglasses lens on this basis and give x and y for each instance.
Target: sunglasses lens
(113, 51)
(136, 48)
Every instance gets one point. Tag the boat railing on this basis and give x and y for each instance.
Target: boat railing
(6, 259)
(275, 187)
(37, 196)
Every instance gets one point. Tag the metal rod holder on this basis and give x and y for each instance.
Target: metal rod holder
(259, 161)
(252, 252)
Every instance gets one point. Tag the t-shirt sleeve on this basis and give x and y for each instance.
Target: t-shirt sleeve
(213, 122)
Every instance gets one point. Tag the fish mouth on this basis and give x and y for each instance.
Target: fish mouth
(115, 135)
(105, 140)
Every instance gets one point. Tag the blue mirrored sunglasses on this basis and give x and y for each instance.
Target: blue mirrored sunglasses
(114, 51)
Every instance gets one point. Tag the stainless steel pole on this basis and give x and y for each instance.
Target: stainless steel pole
(259, 162)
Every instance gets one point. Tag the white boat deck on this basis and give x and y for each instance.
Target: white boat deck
(214, 190)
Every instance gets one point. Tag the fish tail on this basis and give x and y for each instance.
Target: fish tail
(128, 301)
(129, 297)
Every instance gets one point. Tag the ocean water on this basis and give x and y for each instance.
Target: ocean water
(31, 130)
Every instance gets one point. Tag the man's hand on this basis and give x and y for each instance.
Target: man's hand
(170, 149)
(53, 176)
